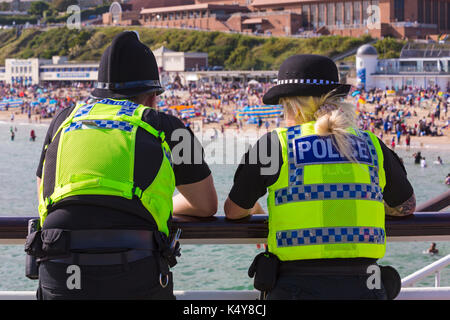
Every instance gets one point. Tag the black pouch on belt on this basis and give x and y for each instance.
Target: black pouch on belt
(55, 242)
(33, 248)
(391, 281)
(265, 270)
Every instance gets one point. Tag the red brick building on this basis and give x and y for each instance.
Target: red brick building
(398, 18)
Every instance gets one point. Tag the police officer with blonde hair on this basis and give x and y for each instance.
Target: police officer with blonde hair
(330, 186)
(106, 181)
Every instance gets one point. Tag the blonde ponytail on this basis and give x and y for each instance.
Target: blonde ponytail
(332, 115)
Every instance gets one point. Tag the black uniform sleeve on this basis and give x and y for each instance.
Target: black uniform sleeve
(398, 189)
(259, 168)
(54, 125)
(189, 164)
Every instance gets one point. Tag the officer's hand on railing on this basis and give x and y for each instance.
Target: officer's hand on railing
(257, 209)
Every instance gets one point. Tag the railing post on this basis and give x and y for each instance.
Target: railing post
(437, 279)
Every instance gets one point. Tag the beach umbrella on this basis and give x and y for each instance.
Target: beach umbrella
(53, 101)
(42, 100)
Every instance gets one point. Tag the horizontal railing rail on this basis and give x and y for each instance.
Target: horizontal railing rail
(220, 230)
(436, 204)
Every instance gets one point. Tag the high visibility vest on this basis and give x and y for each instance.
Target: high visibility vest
(322, 205)
(95, 156)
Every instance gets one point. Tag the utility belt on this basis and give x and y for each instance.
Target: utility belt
(99, 247)
(266, 267)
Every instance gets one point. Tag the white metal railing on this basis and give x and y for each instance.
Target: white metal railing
(434, 268)
(442, 293)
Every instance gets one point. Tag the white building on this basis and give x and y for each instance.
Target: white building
(34, 71)
(416, 67)
(169, 60)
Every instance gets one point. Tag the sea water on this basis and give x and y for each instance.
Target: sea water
(200, 267)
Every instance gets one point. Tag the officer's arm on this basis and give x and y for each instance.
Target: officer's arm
(38, 185)
(196, 199)
(398, 194)
(233, 211)
(405, 209)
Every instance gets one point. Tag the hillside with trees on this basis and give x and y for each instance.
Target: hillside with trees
(232, 51)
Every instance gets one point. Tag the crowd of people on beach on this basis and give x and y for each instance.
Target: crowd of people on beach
(383, 111)
(43, 101)
(390, 113)
(397, 115)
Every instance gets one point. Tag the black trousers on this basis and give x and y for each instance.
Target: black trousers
(135, 280)
(347, 283)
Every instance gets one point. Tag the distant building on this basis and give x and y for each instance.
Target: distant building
(34, 70)
(169, 60)
(20, 5)
(419, 65)
(379, 18)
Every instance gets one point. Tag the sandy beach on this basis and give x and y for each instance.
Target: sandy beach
(442, 142)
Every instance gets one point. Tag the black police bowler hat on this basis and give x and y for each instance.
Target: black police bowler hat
(127, 68)
(306, 75)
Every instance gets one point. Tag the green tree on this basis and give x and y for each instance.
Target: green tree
(5, 6)
(62, 5)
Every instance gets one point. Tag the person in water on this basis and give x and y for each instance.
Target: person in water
(32, 135)
(432, 249)
(423, 162)
(417, 157)
(438, 161)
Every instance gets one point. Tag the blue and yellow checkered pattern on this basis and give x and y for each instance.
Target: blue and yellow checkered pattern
(328, 192)
(83, 110)
(295, 173)
(335, 235)
(128, 110)
(100, 124)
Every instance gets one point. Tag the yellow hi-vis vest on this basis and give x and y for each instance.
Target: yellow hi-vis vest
(95, 156)
(322, 205)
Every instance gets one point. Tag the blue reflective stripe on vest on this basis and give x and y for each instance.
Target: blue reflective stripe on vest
(298, 191)
(337, 191)
(100, 124)
(124, 103)
(295, 172)
(336, 235)
(84, 110)
(128, 110)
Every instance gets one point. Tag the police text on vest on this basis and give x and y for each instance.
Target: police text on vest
(321, 150)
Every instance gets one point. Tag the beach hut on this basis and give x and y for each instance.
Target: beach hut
(11, 103)
(266, 111)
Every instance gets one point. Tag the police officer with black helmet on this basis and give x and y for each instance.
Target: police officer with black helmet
(106, 180)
